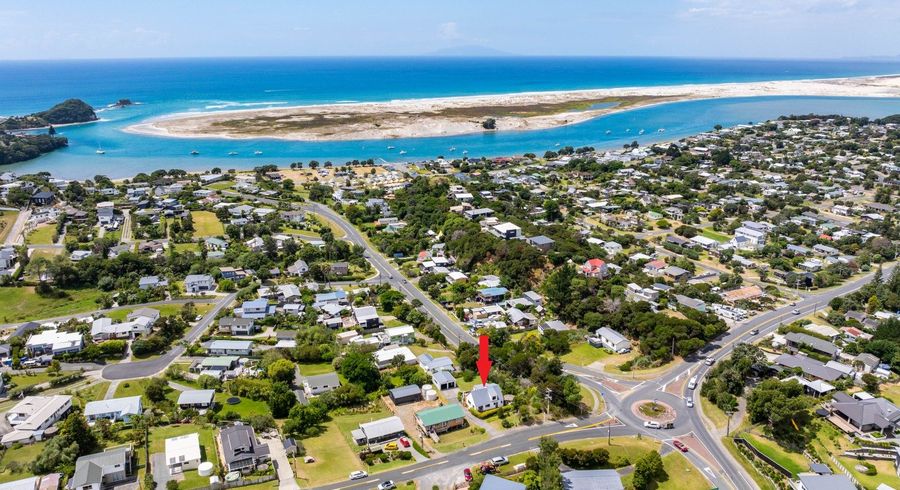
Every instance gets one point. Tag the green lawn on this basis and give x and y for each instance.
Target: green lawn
(302, 233)
(584, 354)
(715, 235)
(90, 392)
(158, 438)
(245, 408)
(713, 413)
(628, 447)
(793, 462)
(221, 185)
(891, 392)
(206, 224)
(680, 474)
(315, 369)
(830, 441)
(34, 378)
(21, 304)
(187, 247)
(164, 310)
(7, 219)
(461, 438)
(23, 456)
(42, 235)
(135, 387)
(335, 459)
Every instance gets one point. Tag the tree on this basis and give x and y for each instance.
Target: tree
(359, 367)
(281, 400)
(54, 368)
(156, 390)
(281, 370)
(871, 382)
(303, 419)
(548, 462)
(647, 470)
(784, 409)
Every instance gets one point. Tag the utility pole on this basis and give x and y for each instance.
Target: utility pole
(728, 427)
(547, 395)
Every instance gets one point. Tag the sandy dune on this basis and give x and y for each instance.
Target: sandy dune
(463, 115)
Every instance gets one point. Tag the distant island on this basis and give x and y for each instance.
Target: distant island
(71, 111)
(123, 103)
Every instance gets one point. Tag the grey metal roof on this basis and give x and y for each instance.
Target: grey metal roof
(809, 366)
(826, 482)
(813, 342)
(195, 397)
(592, 480)
(239, 442)
(405, 391)
(492, 482)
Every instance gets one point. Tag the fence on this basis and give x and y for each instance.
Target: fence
(781, 469)
(239, 483)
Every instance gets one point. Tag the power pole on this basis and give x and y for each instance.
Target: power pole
(547, 394)
(728, 426)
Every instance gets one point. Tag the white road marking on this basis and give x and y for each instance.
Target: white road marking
(424, 467)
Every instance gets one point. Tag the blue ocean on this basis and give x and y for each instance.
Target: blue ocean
(161, 87)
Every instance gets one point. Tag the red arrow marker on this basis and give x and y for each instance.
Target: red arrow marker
(484, 362)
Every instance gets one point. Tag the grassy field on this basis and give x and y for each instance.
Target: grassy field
(221, 185)
(628, 447)
(23, 456)
(585, 354)
(335, 229)
(7, 219)
(334, 460)
(315, 369)
(164, 310)
(136, 387)
(680, 474)
(34, 378)
(90, 392)
(459, 439)
(206, 224)
(42, 235)
(192, 479)
(20, 304)
(715, 235)
(245, 408)
(47, 253)
(713, 413)
(891, 392)
(187, 247)
(830, 441)
(793, 462)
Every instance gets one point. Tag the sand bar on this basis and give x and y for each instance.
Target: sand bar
(415, 118)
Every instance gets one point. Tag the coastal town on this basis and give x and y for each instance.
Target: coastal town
(719, 311)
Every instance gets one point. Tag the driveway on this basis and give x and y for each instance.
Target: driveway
(286, 478)
(160, 470)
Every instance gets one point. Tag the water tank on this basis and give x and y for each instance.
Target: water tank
(430, 395)
(427, 388)
(205, 468)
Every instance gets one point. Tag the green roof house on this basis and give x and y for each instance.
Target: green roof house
(441, 419)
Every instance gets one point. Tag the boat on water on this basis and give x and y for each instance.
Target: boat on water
(465, 151)
(257, 152)
(390, 147)
(403, 152)
(628, 130)
(641, 132)
(195, 152)
(100, 151)
(661, 130)
(608, 131)
(232, 153)
(452, 148)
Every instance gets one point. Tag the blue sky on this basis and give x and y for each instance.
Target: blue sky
(704, 28)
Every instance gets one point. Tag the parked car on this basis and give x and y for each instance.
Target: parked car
(404, 442)
(391, 446)
(680, 446)
(650, 424)
(358, 475)
(500, 460)
(468, 474)
(387, 485)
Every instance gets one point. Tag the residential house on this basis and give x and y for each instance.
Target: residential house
(432, 365)
(443, 380)
(442, 419)
(322, 383)
(298, 268)
(230, 325)
(871, 414)
(542, 243)
(115, 409)
(33, 415)
(228, 347)
(54, 342)
(797, 341)
(183, 453)
(485, 397)
(102, 470)
(198, 283)
(340, 269)
(592, 480)
(492, 295)
(506, 231)
(595, 268)
(378, 431)
(385, 357)
(240, 450)
(611, 339)
(152, 282)
(366, 317)
(402, 335)
(196, 399)
(255, 309)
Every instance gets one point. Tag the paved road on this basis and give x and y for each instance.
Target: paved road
(143, 369)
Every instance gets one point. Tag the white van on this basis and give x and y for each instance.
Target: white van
(692, 383)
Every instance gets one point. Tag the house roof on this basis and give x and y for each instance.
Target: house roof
(121, 406)
(826, 482)
(182, 448)
(482, 395)
(809, 366)
(330, 379)
(90, 469)
(492, 482)
(239, 442)
(439, 415)
(592, 480)
(382, 427)
(611, 335)
(873, 411)
(442, 378)
(814, 342)
(195, 397)
(405, 391)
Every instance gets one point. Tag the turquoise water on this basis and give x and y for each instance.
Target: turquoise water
(169, 86)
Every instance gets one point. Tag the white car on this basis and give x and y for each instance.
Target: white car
(690, 402)
(709, 361)
(358, 475)
(387, 485)
(500, 460)
(651, 424)
(795, 311)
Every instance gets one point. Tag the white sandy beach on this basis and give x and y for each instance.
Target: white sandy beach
(416, 118)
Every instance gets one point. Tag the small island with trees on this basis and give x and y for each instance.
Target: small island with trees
(71, 111)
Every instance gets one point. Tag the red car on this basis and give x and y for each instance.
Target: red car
(680, 446)
(404, 442)
(468, 474)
